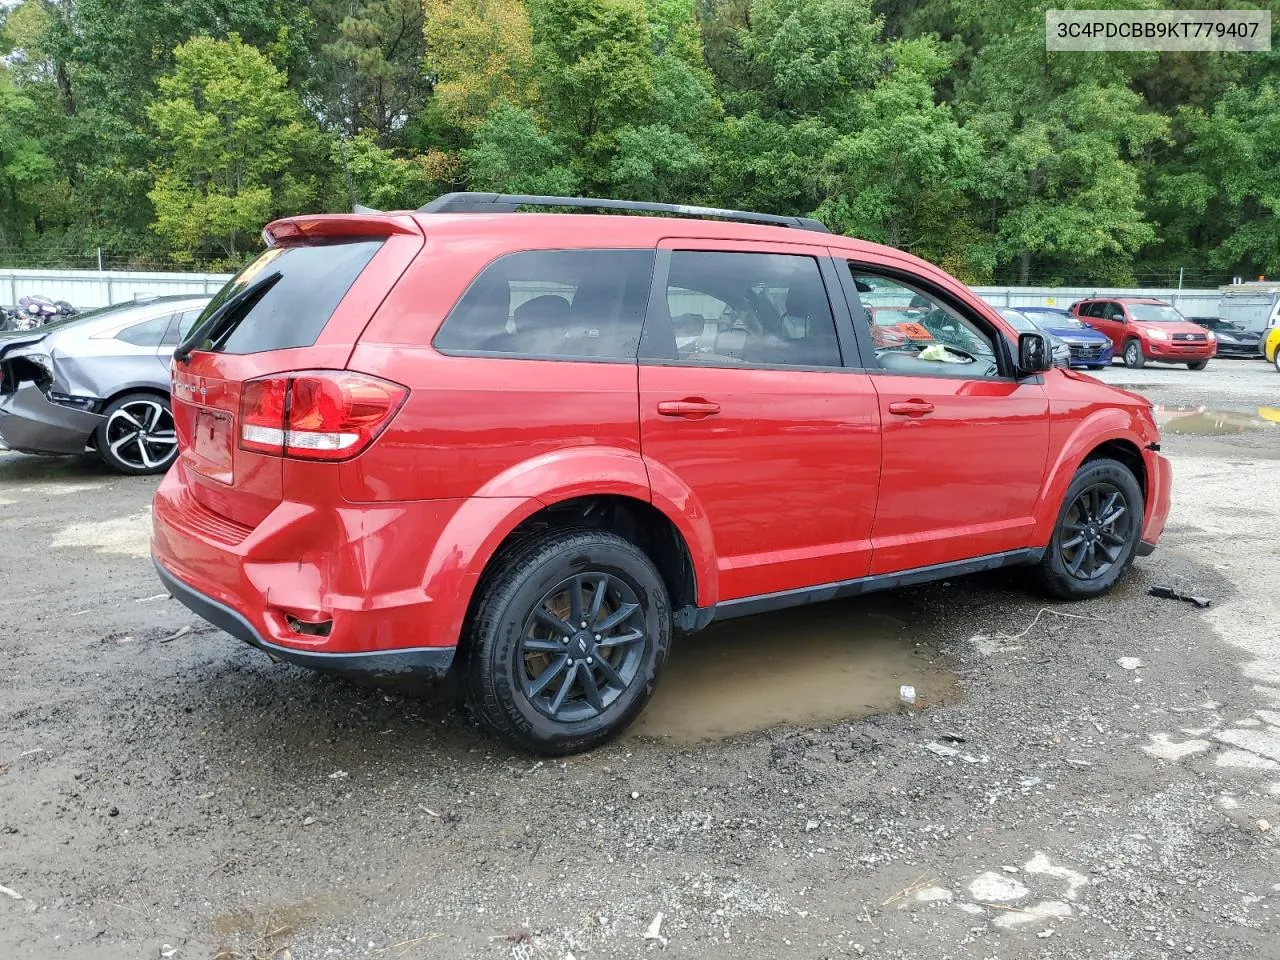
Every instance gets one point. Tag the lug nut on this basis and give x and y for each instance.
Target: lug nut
(589, 660)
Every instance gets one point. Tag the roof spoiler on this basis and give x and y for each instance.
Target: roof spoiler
(512, 202)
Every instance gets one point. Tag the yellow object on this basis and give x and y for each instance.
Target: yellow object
(1271, 346)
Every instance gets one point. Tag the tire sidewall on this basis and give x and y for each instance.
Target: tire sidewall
(1089, 473)
(1134, 347)
(104, 450)
(500, 659)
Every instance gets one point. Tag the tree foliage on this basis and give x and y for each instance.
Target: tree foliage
(172, 131)
(230, 129)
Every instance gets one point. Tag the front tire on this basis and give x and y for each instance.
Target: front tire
(1097, 532)
(1197, 365)
(138, 437)
(567, 641)
(1134, 358)
(1276, 362)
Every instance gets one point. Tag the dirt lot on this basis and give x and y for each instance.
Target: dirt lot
(188, 798)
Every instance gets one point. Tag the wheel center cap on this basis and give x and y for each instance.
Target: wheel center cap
(580, 644)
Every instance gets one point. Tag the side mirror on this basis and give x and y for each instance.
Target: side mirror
(1034, 354)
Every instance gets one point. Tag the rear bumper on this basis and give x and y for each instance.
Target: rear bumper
(30, 423)
(329, 586)
(421, 661)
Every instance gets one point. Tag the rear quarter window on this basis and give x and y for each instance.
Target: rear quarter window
(553, 304)
(312, 281)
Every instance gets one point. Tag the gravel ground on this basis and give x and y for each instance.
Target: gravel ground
(1104, 784)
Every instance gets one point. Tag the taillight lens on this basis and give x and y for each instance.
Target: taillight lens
(316, 414)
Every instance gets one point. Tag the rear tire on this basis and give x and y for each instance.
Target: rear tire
(1276, 361)
(1134, 358)
(1198, 365)
(1096, 535)
(137, 437)
(534, 676)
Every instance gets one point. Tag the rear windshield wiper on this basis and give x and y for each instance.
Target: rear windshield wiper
(218, 323)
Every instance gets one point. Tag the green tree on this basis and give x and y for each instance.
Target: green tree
(1064, 137)
(480, 53)
(512, 155)
(369, 73)
(899, 176)
(231, 133)
(1233, 177)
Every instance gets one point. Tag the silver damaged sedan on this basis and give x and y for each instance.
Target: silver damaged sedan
(99, 382)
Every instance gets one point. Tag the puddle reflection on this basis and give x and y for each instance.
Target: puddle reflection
(810, 665)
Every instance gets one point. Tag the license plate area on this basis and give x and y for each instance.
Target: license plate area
(213, 444)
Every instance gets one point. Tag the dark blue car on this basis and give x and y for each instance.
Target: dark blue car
(1089, 347)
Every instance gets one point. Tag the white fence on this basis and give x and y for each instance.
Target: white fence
(91, 288)
(1193, 303)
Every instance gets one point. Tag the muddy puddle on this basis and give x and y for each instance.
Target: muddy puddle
(809, 666)
(1204, 422)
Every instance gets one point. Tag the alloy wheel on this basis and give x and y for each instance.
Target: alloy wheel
(581, 647)
(1095, 531)
(141, 434)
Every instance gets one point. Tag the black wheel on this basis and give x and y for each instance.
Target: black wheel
(1276, 361)
(1097, 532)
(567, 641)
(1198, 365)
(1134, 358)
(137, 436)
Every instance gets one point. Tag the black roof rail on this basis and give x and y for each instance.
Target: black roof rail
(511, 202)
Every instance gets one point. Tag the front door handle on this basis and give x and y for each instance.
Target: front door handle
(691, 408)
(911, 408)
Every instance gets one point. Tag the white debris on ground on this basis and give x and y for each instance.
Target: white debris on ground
(992, 887)
(1037, 913)
(1130, 663)
(1163, 748)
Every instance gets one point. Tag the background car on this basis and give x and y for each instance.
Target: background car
(99, 381)
(1089, 348)
(1024, 324)
(1233, 339)
(1144, 328)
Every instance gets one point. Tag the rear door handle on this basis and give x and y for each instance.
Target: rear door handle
(911, 408)
(691, 408)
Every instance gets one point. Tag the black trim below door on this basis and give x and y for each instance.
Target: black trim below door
(764, 603)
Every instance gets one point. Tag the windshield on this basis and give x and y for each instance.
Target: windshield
(1019, 321)
(1154, 313)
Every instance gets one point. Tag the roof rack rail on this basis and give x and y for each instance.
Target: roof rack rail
(511, 202)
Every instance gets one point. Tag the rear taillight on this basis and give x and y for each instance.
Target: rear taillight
(316, 414)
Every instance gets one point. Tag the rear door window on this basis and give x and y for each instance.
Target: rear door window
(283, 299)
(747, 309)
(553, 304)
(148, 333)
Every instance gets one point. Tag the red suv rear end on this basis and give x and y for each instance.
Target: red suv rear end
(532, 446)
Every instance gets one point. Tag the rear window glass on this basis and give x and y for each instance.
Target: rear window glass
(303, 286)
(149, 333)
(571, 304)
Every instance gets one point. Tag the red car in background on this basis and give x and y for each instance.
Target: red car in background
(1143, 328)
(477, 439)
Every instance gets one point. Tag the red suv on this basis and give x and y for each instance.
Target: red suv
(533, 446)
(1142, 329)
